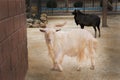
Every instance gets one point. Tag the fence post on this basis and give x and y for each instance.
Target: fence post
(116, 5)
(66, 5)
(104, 13)
(84, 6)
(93, 3)
(39, 8)
(30, 8)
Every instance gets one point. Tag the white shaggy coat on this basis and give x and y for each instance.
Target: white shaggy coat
(71, 43)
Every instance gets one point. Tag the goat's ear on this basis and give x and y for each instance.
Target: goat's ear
(74, 12)
(58, 30)
(42, 30)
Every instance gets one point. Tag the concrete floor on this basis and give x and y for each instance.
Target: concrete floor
(107, 55)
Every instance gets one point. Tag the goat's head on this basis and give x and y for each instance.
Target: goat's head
(49, 33)
(75, 12)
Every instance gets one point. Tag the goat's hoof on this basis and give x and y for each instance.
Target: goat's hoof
(92, 68)
(60, 70)
(56, 69)
(78, 69)
(53, 69)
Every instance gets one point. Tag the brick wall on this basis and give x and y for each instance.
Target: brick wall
(13, 40)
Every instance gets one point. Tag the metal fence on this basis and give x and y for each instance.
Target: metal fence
(88, 6)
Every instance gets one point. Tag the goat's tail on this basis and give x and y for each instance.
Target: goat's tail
(60, 24)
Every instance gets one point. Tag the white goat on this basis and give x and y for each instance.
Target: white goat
(72, 43)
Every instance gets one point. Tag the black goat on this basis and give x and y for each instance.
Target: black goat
(87, 20)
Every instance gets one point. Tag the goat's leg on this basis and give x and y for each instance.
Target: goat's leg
(95, 30)
(92, 59)
(81, 55)
(91, 54)
(59, 60)
(79, 67)
(60, 67)
(82, 26)
(92, 62)
(99, 30)
(54, 62)
(52, 56)
(56, 65)
(76, 22)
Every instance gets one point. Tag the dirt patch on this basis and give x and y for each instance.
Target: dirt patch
(107, 55)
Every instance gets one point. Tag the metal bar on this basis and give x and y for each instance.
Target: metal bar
(116, 5)
(93, 3)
